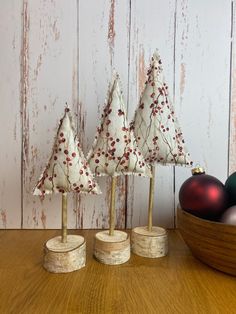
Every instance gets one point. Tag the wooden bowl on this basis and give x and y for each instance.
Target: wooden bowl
(211, 242)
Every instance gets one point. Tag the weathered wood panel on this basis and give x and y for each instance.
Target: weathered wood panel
(202, 72)
(10, 118)
(152, 26)
(103, 45)
(232, 137)
(49, 81)
(57, 51)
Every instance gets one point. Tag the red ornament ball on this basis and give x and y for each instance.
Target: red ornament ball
(203, 195)
(229, 216)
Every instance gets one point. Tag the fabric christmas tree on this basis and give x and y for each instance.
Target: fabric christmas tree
(67, 169)
(156, 128)
(115, 151)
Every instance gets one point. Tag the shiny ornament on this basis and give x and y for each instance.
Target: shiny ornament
(229, 216)
(230, 186)
(203, 195)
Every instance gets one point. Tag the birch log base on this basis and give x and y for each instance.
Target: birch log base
(112, 250)
(150, 244)
(65, 257)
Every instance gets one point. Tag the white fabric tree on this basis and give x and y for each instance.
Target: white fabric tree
(115, 151)
(156, 128)
(155, 124)
(67, 169)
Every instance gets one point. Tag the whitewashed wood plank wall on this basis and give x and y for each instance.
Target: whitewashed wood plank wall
(58, 51)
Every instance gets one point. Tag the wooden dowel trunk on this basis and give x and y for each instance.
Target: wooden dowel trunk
(150, 241)
(65, 253)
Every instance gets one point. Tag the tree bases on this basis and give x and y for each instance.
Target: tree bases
(65, 257)
(112, 250)
(150, 244)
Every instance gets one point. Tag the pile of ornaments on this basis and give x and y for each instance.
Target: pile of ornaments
(207, 197)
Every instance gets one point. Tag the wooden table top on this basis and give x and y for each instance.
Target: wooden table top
(177, 283)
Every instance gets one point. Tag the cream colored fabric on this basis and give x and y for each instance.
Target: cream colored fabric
(155, 125)
(115, 151)
(67, 169)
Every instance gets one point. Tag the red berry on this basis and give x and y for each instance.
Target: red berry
(66, 152)
(68, 159)
(120, 112)
(97, 161)
(73, 154)
(61, 134)
(55, 157)
(81, 171)
(141, 106)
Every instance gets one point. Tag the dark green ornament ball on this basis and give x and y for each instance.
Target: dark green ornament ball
(230, 186)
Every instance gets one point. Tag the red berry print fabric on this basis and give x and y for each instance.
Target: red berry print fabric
(67, 169)
(115, 151)
(155, 125)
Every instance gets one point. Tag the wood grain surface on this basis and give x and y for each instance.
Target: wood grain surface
(57, 51)
(178, 283)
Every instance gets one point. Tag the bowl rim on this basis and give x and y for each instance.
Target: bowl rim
(206, 221)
